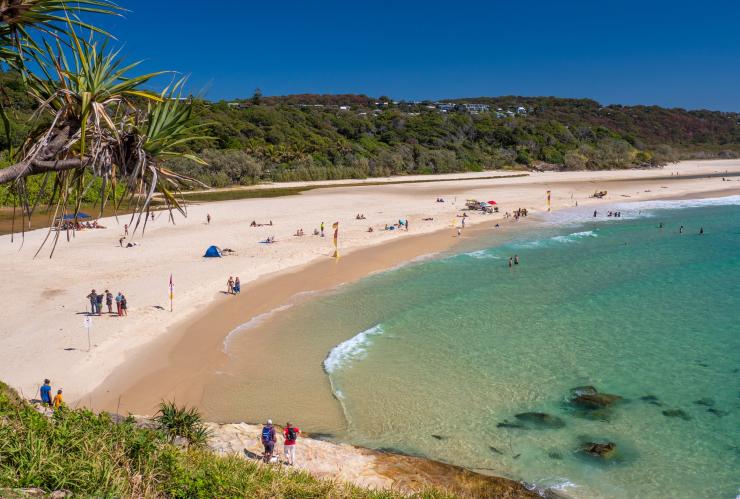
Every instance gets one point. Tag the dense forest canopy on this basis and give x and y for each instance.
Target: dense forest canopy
(316, 137)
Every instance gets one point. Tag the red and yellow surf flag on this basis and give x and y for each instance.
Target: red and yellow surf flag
(548, 200)
(335, 226)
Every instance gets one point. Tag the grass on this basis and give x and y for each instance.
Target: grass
(88, 454)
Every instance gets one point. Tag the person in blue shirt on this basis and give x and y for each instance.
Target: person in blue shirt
(46, 393)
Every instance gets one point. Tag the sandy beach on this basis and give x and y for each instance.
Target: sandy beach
(154, 353)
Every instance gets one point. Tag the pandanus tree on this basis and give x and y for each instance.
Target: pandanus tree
(102, 126)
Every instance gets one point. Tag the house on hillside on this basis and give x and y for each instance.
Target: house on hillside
(475, 108)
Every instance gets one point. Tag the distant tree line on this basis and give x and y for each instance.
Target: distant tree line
(308, 137)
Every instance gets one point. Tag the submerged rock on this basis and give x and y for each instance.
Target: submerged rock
(495, 450)
(709, 402)
(676, 413)
(595, 401)
(554, 455)
(508, 424)
(541, 419)
(717, 412)
(651, 399)
(600, 450)
(583, 390)
(439, 437)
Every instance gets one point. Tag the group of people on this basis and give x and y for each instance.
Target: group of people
(360, 216)
(96, 303)
(400, 224)
(513, 260)
(56, 402)
(269, 439)
(255, 224)
(615, 214)
(233, 286)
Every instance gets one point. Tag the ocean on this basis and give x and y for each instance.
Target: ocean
(464, 359)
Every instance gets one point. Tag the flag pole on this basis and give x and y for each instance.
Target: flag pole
(172, 292)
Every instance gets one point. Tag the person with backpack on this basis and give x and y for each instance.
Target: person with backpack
(268, 440)
(291, 435)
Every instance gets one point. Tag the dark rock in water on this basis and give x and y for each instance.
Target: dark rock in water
(516, 456)
(717, 412)
(439, 437)
(702, 364)
(495, 450)
(595, 401)
(554, 455)
(541, 419)
(322, 436)
(600, 450)
(583, 390)
(676, 413)
(507, 424)
(651, 399)
(705, 401)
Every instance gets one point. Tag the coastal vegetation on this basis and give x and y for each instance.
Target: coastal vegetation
(92, 455)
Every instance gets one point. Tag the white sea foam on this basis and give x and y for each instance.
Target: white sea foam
(571, 238)
(482, 255)
(253, 322)
(353, 349)
(631, 210)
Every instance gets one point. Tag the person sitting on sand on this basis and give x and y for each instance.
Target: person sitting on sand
(253, 224)
(270, 223)
(58, 400)
(268, 440)
(370, 229)
(316, 232)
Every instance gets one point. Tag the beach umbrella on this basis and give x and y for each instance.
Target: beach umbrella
(492, 202)
(72, 216)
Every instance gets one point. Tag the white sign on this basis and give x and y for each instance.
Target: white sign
(87, 322)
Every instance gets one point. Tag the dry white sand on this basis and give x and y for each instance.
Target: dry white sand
(43, 300)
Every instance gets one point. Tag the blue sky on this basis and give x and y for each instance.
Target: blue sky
(675, 54)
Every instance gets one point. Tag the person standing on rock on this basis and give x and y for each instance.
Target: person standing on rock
(290, 434)
(268, 440)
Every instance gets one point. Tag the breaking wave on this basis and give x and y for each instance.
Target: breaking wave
(353, 349)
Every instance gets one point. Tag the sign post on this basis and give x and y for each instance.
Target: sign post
(87, 323)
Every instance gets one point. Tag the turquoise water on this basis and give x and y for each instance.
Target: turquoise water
(439, 353)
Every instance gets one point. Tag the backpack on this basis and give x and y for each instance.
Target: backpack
(291, 434)
(267, 434)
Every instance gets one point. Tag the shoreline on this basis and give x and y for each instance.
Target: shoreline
(142, 272)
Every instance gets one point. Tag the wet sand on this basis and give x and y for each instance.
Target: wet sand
(194, 351)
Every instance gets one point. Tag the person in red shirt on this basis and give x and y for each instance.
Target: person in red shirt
(290, 434)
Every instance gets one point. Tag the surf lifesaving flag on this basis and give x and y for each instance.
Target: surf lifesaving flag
(548, 200)
(172, 291)
(335, 226)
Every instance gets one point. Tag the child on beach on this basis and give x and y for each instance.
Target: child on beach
(58, 400)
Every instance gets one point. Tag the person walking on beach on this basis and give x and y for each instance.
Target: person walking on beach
(119, 300)
(268, 440)
(125, 229)
(58, 400)
(208, 218)
(290, 433)
(93, 297)
(109, 301)
(46, 393)
(322, 229)
(230, 286)
(237, 285)
(124, 305)
(594, 213)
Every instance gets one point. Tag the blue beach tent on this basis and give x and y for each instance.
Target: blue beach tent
(213, 251)
(80, 216)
